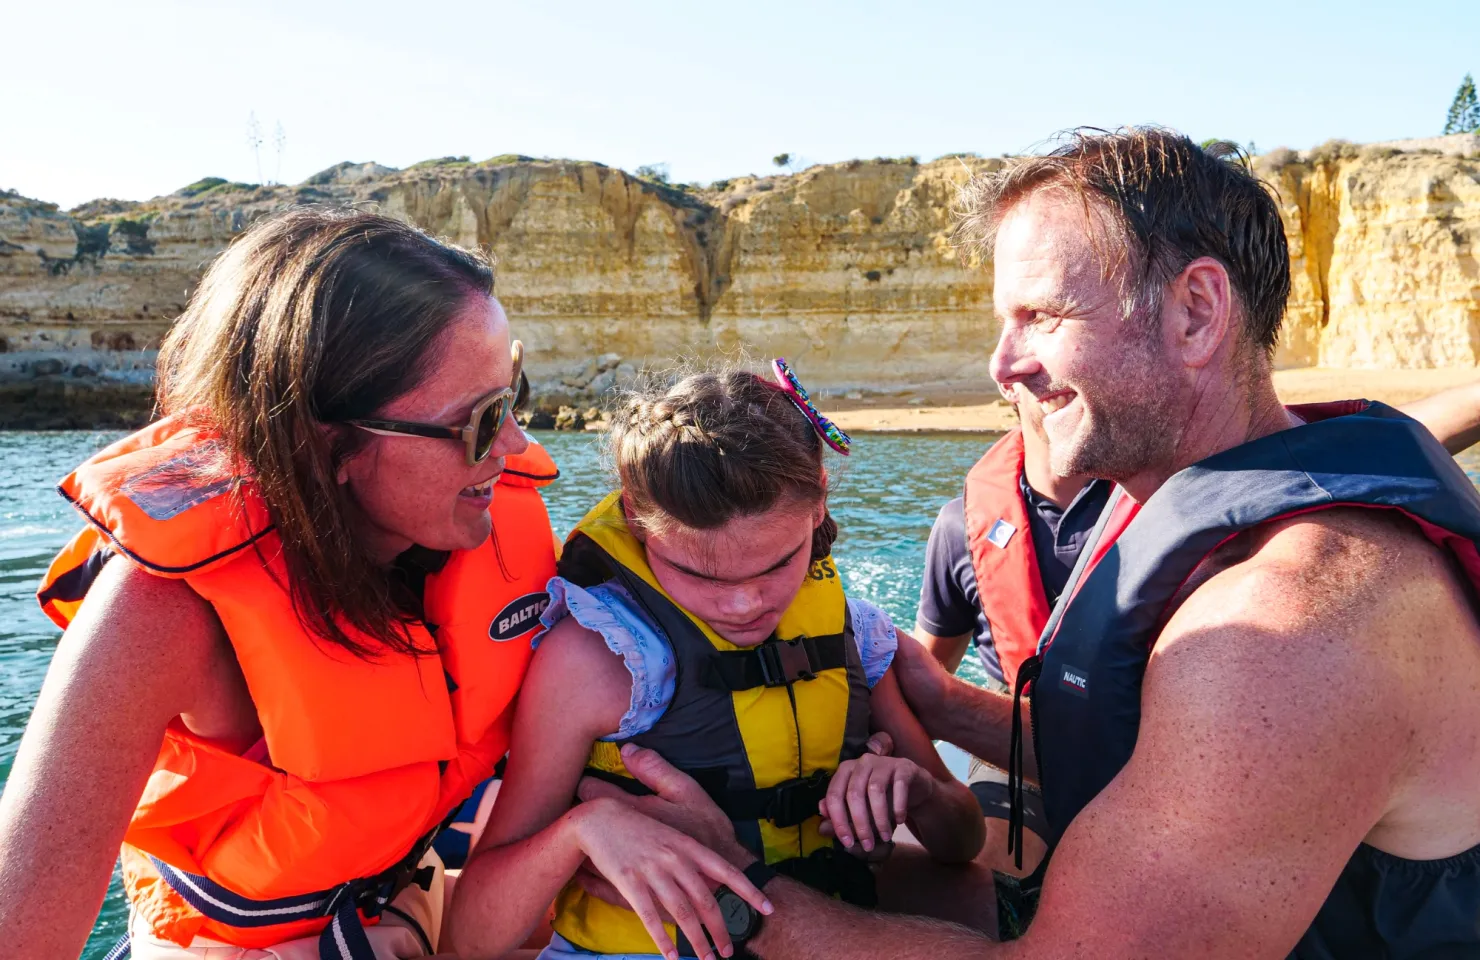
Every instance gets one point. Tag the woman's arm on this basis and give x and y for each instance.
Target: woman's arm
(142, 651)
(576, 692)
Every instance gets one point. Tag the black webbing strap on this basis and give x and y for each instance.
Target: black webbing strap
(833, 872)
(786, 804)
(776, 663)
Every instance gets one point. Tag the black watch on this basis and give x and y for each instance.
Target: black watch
(742, 921)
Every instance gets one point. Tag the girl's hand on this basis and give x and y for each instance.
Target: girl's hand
(660, 871)
(872, 795)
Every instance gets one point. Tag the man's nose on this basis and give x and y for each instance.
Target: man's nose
(1013, 360)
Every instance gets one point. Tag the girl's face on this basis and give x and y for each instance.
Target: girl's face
(738, 578)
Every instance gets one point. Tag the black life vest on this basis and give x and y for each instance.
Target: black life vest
(1085, 696)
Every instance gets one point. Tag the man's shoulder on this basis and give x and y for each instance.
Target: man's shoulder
(1361, 574)
(1358, 551)
(949, 529)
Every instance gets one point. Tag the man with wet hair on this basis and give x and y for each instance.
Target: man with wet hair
(1253, 715)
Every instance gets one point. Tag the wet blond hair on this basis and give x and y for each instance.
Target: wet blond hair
(1169, 201)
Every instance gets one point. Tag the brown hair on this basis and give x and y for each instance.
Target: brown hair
(713, 446)
(1172, 202)
(311, 318)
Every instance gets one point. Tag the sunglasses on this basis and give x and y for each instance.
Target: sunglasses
(482, 428)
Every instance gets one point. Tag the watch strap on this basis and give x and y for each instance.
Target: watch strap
(760, 874)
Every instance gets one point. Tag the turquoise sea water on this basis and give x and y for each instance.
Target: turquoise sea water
(885, 497)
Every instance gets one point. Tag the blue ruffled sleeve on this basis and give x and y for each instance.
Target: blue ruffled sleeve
(874, 633)
(609, 610)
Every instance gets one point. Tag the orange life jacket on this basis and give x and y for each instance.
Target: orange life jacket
(362, 757)
(1008, 584)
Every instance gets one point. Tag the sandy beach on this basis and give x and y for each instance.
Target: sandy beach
(985, 412)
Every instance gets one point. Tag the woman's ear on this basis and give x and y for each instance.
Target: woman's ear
(333, 437)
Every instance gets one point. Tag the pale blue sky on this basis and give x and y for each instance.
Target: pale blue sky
(138, 98)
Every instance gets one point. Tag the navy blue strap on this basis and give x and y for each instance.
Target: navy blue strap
(224, 906)
(122, 949)
(343, 939)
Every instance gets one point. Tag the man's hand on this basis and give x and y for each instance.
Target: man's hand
(677, 801)
(925, 683)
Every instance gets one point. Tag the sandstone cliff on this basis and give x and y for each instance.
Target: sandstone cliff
(1385, 250)
(844, 268)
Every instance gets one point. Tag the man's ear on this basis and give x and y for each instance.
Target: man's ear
(1203, 310)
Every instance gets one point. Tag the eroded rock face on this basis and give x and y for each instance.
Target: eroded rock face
(846, 269)
(1384, 247)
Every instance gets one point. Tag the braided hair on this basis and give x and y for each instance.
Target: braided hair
(714, 446)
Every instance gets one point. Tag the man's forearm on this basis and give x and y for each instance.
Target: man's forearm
(980, 722)
(807, 924)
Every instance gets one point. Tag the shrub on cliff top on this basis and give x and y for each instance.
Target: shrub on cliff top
(1279, 158)
(201, 186)
(230, 186)
(1333, 150)
(656, 172)
(440, 162)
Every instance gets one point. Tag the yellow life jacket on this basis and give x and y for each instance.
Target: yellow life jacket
(760, 728)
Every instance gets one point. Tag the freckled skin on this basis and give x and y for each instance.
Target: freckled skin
(144, 651)
(408, 486)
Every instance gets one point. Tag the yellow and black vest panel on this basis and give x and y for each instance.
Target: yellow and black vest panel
(761, 728)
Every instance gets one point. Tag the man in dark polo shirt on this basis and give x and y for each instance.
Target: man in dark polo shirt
(957, 607)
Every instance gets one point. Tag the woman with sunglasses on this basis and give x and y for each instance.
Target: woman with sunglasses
(297, 616)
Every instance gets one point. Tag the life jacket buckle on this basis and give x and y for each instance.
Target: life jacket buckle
(784, 662)
(795, 800)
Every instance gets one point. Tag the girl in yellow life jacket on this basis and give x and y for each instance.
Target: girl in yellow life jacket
(699, 612)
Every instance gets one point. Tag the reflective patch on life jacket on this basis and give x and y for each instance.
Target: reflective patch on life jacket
(174, 486)
(518, 617)
(1001, 534)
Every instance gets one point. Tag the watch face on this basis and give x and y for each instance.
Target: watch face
(738, 914)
